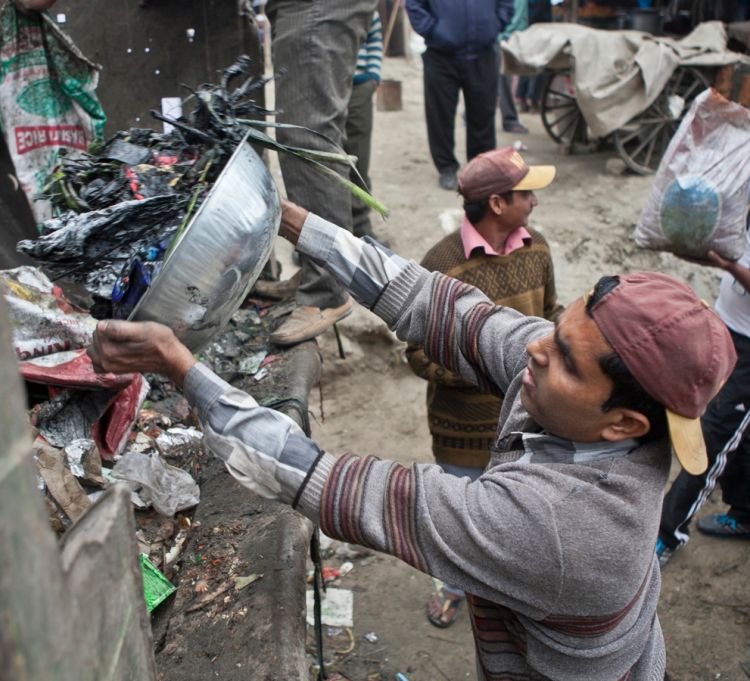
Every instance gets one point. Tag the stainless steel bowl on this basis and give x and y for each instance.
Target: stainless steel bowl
(219, 255)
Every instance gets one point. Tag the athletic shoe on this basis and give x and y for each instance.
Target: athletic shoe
(663, 552)
(723, 525)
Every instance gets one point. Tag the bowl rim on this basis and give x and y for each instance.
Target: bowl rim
(173, 247)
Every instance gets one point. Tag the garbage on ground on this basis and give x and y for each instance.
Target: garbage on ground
(179, 544)
(241, 581)
(65, 498)
(174, 441)
(329, 574)
(242, 349)
(337, 607)
(371, 637)
(167, 488)
(83, 403)
(156, 587)
(84, 461)
(699, 196)
(251, 363)
(346, 568)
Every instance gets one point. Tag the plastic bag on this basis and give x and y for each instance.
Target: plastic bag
(47, 98)
(167, 488)
(699, 198)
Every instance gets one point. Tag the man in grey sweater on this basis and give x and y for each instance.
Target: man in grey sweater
(554, 543)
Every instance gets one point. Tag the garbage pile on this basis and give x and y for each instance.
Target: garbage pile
(94, 430)
(119, 208)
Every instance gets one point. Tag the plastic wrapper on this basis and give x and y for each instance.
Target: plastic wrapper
(84, 404)
(44, 321)
(96, 247)
(84, 461)
(167, 488)
(699, 198)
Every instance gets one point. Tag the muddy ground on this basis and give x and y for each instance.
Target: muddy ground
(372, 404)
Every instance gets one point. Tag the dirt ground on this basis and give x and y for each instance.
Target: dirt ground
(372, 404)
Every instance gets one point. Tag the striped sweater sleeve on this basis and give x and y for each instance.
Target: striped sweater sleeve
(470, 534)
(466, 533)
(456, 324)
(370, 55)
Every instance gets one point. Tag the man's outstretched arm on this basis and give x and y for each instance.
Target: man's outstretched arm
(455, 323)
(415, 514)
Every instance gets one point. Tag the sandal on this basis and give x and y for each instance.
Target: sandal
(445, 603)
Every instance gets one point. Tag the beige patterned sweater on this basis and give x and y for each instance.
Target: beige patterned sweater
(462, 419)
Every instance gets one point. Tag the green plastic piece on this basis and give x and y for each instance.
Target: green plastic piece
(156, 587)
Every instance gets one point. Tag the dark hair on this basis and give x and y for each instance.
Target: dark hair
(476, 210)
(626, 392)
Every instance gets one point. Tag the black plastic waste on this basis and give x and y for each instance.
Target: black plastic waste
(119, 206)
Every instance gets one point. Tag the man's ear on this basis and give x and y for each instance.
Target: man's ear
(497, 204)
(625, 423)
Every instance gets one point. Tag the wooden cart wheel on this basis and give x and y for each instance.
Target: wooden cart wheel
(642, 142)
(561, 116)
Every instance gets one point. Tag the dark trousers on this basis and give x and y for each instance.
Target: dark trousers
(505, 102)
(316, 42)
(725, 430)
(530, 88)
(358, 143)
(444, 77)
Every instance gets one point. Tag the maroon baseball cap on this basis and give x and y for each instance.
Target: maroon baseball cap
(499, 171)
(675, 346)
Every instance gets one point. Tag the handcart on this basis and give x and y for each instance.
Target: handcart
(627, 87)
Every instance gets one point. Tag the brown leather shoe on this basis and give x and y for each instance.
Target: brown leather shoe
(307, 322)
(278, 290)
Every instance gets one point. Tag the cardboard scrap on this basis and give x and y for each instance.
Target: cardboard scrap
(61, 483)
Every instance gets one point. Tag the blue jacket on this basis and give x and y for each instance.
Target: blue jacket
(464, 28)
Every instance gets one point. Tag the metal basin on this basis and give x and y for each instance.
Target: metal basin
(219, 255)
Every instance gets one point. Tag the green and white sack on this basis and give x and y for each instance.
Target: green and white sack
(47, 99)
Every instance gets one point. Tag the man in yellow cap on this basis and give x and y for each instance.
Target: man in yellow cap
(496, 251)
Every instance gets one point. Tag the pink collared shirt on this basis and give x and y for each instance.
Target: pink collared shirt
(472, 239)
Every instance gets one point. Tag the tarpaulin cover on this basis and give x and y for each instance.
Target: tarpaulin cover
(616, 74)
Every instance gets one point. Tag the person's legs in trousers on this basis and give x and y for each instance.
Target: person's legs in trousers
(480, 95)
(735, 480)
(441, 86)
(725, 428)
(316, 42)
(507, 106)
(358, 143)
(522, 93)
(536, 85)
(735, 483)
